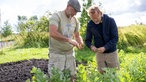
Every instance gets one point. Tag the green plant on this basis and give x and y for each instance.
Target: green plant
(56, 75)
(60, 76)
(38, 75)
(137, 67)
(110, 76)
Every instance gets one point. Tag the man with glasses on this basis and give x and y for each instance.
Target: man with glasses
(64, 36)
(102, 37)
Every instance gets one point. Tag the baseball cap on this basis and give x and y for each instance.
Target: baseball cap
(75, 4)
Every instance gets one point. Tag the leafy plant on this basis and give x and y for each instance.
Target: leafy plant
(60, 76)
(56, 76)
(38, 75)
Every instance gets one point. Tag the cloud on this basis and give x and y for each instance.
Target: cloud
(142, 5)
(136, 6)
(125, 6)
(125, 12)
(57, 5)
(10, 9)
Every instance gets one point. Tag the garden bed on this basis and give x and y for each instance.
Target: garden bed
(20, 71)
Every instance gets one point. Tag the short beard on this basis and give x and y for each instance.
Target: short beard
(69, 14)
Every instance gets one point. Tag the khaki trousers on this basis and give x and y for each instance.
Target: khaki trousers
(105, 60)
(62, 62)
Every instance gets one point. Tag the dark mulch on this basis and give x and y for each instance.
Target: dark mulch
(20, 71)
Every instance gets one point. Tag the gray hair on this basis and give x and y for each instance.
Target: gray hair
(94, 8)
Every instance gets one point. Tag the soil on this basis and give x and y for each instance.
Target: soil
(20, 71)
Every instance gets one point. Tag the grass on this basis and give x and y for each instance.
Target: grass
(14, 55)
(84, 55)
(132, 64)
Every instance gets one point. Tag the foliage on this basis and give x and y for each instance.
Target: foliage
(137, 68)
(21, 23)
(42, 25)
(60, 76)
(82, 73)
(32, 39)
(38, 76)
(19, 39)
(36, 39)
(22, 18)
(35, 18)
(132, 69)
(57, 76)
(6, 30)
(8, 38)
(82, 57)
(32, 24)
(33, 32)
(84, 16)
(132, 36)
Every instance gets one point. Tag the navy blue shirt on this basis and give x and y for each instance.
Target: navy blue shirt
(104, 34)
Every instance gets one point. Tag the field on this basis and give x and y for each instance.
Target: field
(131, 51)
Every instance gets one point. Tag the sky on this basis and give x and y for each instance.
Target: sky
(125, 12)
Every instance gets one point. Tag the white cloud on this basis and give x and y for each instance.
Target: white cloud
(10, 9)
(125, 12)
(124, 19)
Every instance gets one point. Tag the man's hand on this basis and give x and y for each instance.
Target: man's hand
(73, 42)
(80, 46)
(93, 48)
(101, 49)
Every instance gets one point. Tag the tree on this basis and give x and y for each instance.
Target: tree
(42, 24)
(35, 18)
(22, 18)
(6, 30)
(21, 23)
(84, 15)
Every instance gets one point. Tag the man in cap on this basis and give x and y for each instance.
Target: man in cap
(64, 36)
